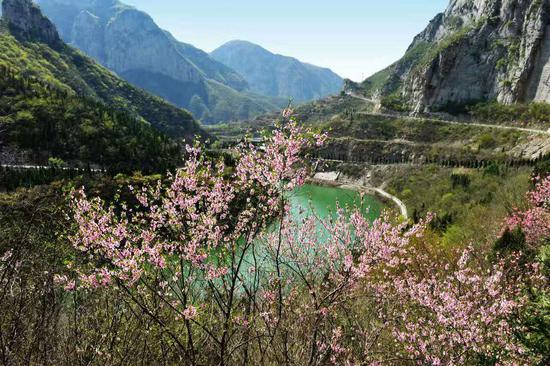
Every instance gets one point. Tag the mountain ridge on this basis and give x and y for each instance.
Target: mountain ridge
(129, 42)
(277, 75)
(476, 51)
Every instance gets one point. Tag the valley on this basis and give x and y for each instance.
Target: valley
(152, 59)
(164, 205)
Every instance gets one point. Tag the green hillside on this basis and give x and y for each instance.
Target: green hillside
(70, 71)
(58, 104)
(47, 123)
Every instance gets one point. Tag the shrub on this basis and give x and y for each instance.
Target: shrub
(535, 112)
(395, 102)
(459, 178)
(486, 141)
(56, 163)
(511, 240)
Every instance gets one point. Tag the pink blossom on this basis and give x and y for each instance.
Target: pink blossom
(535, 221)
(190, 313)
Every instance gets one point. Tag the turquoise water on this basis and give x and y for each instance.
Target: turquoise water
(322, 201)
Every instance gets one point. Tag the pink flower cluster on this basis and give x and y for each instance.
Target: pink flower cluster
(439, 311)
(535, 221)
(453, 314)
(196, 216)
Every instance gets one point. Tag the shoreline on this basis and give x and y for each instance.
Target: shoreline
(385, 196)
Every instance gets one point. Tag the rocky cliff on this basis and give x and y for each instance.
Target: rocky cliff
(27, 22)
(477, 50)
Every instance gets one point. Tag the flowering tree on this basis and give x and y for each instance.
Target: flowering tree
(535, 221)
(228, 276)
(377, 294)
(183, 250)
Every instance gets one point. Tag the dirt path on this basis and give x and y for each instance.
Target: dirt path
(398, 202)
(482, 125)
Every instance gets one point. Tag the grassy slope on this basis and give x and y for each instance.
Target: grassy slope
(469, 212)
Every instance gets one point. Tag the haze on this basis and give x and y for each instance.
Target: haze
(354, 38)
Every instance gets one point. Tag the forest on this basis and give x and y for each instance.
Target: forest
(52, 123)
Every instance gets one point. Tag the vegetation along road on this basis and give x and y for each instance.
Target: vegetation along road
(482, 125)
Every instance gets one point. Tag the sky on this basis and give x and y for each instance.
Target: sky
(355, 38)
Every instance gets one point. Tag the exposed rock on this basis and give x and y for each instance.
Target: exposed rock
(327, 176)
(134, 42)
(477, 50)
(532, 149)
(87, 30)
(27, 22)
(539, 82)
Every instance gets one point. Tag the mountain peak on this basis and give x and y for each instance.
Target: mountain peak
(242, 43)
(277, 75)
(27, 22)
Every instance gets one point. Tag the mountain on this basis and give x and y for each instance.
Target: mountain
(276, 75)
(131, 44)
(70, 70)
(476, 51)
(56, 102)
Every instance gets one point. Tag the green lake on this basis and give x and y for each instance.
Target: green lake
(323, 200)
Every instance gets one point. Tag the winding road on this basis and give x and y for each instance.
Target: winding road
(482, 125)
(400, 204)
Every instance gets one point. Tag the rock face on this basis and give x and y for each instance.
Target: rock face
(120, 37)
(129, 42)
(132, 41)
(27, 22)
(539, 81)
(477, 50)
(276, 75)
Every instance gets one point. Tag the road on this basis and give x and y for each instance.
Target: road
(400, 204)
(28, 167)
(482, 125)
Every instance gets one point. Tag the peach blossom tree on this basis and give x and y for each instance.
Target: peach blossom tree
(228, 275)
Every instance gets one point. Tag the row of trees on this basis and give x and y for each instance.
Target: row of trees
(12, 178)
(405, 158)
